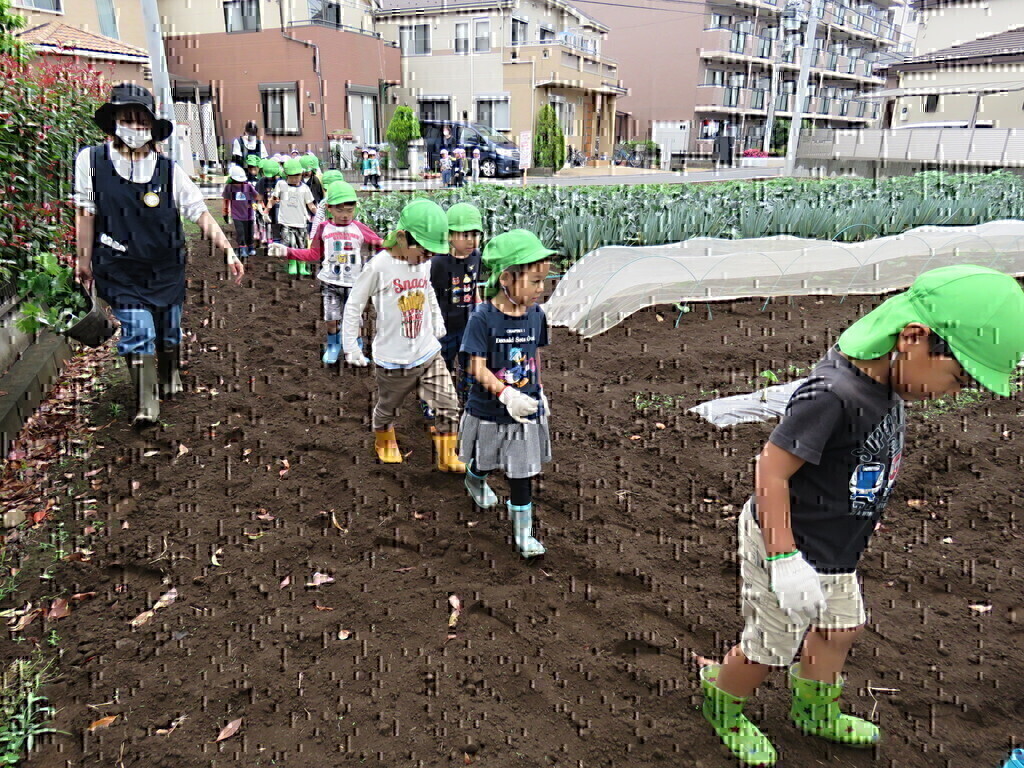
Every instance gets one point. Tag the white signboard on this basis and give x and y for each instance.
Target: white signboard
(525, 150)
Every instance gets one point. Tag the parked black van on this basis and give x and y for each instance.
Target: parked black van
(498, 155)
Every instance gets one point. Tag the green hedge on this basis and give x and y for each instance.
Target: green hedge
(576, 219)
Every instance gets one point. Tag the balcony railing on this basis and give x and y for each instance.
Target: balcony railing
(848, 18)
(712, 97)
(340, 28)
(990, 147)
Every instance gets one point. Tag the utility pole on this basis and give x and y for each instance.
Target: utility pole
(161, 80)
(801, 86)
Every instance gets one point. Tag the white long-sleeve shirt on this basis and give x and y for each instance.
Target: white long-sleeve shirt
(409, 321)
(187, 196)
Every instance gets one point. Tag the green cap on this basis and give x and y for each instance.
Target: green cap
(253, 160)
(309, 162)
(426, 221)
(292, 166)
(518, 246)
(270, 167)
(977, 311)
(463, 217)
(331, 176)
(341, 192)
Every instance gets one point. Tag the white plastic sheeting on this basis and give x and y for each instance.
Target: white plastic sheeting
(608, 285)
(762, 405)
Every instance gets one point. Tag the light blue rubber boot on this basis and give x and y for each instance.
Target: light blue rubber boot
(522, 530)
(333, 348)
(480, 491)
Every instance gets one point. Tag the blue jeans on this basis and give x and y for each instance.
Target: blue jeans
(142, 329)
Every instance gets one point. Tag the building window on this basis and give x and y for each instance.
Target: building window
(481, 35)
(242, 16)
(720, 21)
(547, 35)
(57, 6)
(931, 103)
(520, 31)
(565, 113)
(435, 109)
(415, 40)
(494, 113)
(325, 12)
(714, 77)
(462, 37)
(108, 19)
(281, 108)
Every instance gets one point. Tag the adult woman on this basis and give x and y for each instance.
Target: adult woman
(131, 246)
(248, 143)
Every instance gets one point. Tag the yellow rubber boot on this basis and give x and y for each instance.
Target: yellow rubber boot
(447, 457)
(386, 445)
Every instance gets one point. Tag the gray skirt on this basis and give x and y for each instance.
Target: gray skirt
(518, 450)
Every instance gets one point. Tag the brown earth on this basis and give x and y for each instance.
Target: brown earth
(581, 659)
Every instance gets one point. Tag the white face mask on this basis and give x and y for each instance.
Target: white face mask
(133, 137)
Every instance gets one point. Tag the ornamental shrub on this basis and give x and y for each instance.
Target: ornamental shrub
(403, 128)
(548, 140)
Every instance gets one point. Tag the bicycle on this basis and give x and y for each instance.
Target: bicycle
(576, 158)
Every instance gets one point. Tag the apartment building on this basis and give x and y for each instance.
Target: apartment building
(107, 36)
(498, 62)
(302, 69)
(723, 65)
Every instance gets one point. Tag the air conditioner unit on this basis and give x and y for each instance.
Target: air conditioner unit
(312, 107)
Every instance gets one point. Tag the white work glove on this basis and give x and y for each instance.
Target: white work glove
(798, 588)
(277, 250)
(544, 404)
(356, 357)
(266, 218)
(519, 406)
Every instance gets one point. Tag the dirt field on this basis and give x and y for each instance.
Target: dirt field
(581, 659)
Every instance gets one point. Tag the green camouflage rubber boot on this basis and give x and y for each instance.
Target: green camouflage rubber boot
(725, 712)
(815, 711)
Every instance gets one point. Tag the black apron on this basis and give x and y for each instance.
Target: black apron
(138, 249)
(240, 159)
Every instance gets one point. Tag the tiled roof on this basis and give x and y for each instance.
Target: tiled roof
(57, 35)
(1006, 43)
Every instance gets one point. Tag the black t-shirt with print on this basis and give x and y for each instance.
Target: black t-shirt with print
(849, 429)
(455, 282)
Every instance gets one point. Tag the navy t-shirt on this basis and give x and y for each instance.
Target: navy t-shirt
(455, 282)
(509, 346)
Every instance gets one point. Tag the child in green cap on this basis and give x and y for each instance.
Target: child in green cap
(342, 245)
(406, 349)
(505, 424)
(295, 205)
(267, 224)
(321, 215)
(822, 481)
(455, 277)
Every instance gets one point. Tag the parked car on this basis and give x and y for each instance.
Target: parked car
(498, 155)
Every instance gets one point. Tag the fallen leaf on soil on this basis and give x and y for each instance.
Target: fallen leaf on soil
(660, 319)
(285, 582)
(287, 467)
(916, 503)
(230, 729)
(947, 540)
(136, 485)
(318, 579)
(182, 449)
(635, 437)
(213, 558)
(38, 517)
(147, 454)
(174, 724)
(265, 516)
(82, 596)
(254, 536)
(659, 425)
(336, 524)
(980, 608)
(546, 574)
(59, 609)
(344, 634)
(702, 661)
(103, 722)
(418, 516)
(125, 526)
(456, 604)
(322, 607)
(93, 473)
(27, 619)
(472, 523)
(165, 600)
(405, 570)
(88, 530)
(247, 451)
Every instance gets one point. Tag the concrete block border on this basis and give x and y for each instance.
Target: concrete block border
(27, 384)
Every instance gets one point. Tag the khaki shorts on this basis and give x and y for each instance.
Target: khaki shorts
(769, 635)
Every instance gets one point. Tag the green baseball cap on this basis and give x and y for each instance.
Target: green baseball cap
(309, 162)
(341, 192)
(271, 167)
(332, 176)
(292, 166)
(426, 221)
(978, 312)
(517, 246)
(253, 161)
(463, 217)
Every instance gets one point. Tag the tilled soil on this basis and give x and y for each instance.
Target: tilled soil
(584, 658)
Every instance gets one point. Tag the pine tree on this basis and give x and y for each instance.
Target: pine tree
(403, 128)
(548, 140)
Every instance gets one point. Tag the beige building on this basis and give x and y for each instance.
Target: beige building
(498, 62)
(108, 35)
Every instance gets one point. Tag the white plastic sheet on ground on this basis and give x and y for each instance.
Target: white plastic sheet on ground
(765, 404)
(608, 285)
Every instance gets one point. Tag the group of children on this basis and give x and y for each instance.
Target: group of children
(822, 480)
(455, 166)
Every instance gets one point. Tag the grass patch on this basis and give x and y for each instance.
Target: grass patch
(947, 404)
(24, 712)
(644, 401)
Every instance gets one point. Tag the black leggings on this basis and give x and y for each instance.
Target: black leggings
(521, 488)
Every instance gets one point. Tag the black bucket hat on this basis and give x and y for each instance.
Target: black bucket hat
(125, 94)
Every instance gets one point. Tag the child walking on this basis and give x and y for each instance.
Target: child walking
(372, 169)
(295, 205)
(459, 167)
(270, 170)
(310, 177)
(240, 200)
(822, 481)
(505, 424)
(342, 245)
(475, 166)
(446, 168)
(321, 208)
(406, 350)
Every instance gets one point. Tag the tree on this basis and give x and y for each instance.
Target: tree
(10, 23)
(403, 128)
(780, 132)
(548, 140)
